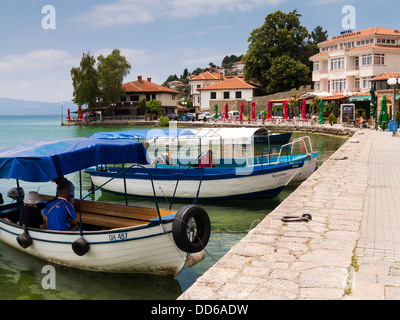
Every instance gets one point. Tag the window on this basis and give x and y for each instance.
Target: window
(357, 83)
(213, 95)
(367, 59)
(339, 85)
(317, 86)
(370, 59)
(316, 66)
(226, 94)
(379, 58)
(238, 94)
(367, 82)
(135, 98)
(337, 63)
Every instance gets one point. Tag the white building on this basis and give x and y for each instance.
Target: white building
(203, 80)
(232, 89)
(346, 64)
(238, 68)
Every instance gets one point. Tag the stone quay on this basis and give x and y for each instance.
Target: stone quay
(349, 250)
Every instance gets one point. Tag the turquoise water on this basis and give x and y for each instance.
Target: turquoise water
(21, 275)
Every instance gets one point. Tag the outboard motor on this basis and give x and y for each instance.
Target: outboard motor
(13, 193)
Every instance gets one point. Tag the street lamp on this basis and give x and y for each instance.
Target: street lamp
(393, 82)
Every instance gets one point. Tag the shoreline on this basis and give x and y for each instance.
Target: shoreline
(336, 129)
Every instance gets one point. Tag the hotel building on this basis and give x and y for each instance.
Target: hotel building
(346, 64)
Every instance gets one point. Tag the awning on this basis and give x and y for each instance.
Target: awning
(45, 160)
(360, 98)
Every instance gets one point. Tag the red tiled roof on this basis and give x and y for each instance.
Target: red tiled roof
(386, 76)
(140, 86)
(208, 76)
(364, 33)
(233, 83)
(374, 46)
(321, 54)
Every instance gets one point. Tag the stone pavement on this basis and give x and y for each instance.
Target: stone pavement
(350, 248)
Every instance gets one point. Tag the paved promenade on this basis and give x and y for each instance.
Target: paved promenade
(349, 250)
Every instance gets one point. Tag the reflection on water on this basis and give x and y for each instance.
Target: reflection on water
(21, 275)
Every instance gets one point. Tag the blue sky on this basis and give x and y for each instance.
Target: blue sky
(158, 37)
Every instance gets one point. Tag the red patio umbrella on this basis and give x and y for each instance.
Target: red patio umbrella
(253, 110)
(241, 111)
(269, 115)
(285, 109)
(303, 110)
(226, 111)
(69, 115)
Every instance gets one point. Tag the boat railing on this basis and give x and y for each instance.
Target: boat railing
(302, 141)
(277, 155)
(181, 176)
(288, 149)
(122, 172)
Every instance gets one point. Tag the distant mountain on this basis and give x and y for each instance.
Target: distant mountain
(23, 107)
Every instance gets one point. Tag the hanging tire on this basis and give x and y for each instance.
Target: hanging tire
(80, 246)
(182, 229)
(24, 240)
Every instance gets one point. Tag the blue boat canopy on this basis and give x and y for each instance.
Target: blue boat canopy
(44, 160)
(141, 134)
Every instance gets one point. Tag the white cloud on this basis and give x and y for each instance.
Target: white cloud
(34, 60)
(126, 12)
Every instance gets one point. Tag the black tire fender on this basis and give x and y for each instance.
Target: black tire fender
(80, 246)
(180, 230)
(24, 240)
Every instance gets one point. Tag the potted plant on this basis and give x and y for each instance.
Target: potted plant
(332, 119)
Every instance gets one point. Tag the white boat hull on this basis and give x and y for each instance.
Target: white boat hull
(126, 250)
(246, 186)
(310, 165)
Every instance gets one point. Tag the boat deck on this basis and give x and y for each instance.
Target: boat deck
(114, 216)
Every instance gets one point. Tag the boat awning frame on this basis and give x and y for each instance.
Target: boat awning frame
(45, 160)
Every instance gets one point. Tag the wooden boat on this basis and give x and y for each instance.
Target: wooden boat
(111, 237)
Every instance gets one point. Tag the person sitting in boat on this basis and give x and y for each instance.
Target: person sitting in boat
(59, 213)
(207, 161)
(64, 182)
(32, 215)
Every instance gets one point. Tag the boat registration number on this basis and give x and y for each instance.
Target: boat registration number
(118, 236)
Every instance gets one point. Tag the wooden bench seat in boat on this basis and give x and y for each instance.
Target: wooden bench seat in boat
(114, 215)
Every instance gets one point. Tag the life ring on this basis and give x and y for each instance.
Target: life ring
(80, 246)
(182, 228)
(24, 240)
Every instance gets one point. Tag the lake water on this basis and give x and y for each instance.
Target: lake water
(21, 275)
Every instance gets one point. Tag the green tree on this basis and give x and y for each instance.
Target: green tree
(281, 36)
(112, 70)
(318, 35)
(153, 106)
(142, 106)
(286, 73)
(228, 61)
(185, 74)
(85, 82)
